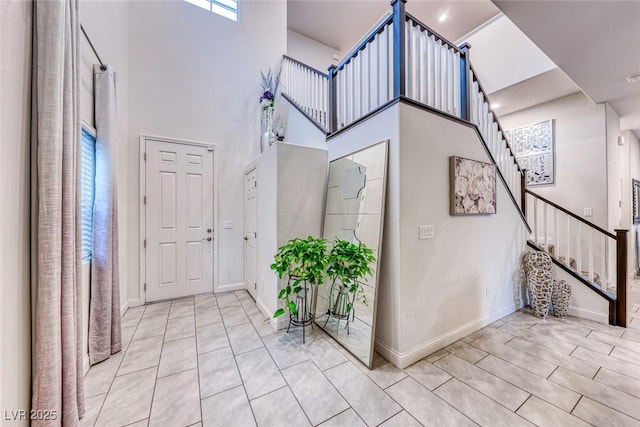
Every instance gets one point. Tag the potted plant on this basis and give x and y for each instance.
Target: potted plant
(304, 262)
(348, 264)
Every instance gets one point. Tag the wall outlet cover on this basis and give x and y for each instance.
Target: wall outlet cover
(228, 224)
(588, 212)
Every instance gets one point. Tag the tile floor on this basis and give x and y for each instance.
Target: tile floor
(214, 361)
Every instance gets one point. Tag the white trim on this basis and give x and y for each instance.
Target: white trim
(92, 131)
(133, 303)
(142, 220)
(278, 323)
(404, 359)
(124, 308)
(85, 364)
(228, 287)
(584, 313)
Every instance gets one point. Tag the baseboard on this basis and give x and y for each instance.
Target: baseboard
(133, 303)
(276, 324)
(228, 287)
(404, 359)
(596, 316)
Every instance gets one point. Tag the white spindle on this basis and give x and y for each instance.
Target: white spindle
(535, 221)
(568, 258)
(546, 230)
(590, 258)
(579, 249)
(603, 256)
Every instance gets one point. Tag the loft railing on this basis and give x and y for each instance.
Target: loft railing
(595, 256)
(401, 57)
(307, 89)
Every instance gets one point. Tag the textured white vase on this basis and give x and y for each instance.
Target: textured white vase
(268, 136)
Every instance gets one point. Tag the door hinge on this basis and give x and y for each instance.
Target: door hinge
(255, 235)
(145, 243)
(209, 148)
(255, 184)
(145, 156)
(145, 200)
(255, 286)
(145, 287)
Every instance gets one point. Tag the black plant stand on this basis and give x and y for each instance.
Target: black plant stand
(304, 317)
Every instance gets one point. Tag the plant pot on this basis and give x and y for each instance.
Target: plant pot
(341, 304)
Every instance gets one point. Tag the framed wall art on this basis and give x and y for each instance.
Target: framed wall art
(472, 187)
(534, 148)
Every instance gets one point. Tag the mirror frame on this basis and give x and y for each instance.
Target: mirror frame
(634, 193)
(379, 248)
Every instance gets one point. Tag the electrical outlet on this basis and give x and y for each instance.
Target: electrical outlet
(588, 212)
(427, 232)
(228, 224)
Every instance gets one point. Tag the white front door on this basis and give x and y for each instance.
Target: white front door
(179, 220)
(250, 236)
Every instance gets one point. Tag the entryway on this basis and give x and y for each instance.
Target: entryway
(178, 216)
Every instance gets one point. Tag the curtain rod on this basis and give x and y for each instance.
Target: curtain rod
(102, 66)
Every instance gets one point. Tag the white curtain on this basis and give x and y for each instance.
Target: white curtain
(57, 280)
(104, 307)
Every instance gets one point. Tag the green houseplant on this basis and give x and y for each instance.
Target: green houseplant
(304, 262)
(348, 263)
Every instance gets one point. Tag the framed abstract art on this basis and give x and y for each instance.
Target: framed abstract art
(472, 187)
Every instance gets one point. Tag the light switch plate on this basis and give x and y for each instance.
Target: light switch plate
(588, 212)
(427, 232)
(228, 224)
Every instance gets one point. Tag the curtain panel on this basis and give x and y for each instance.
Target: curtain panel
(57, 292)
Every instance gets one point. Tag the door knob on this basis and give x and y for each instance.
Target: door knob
(246, 237)
(208, 239)
(209, 230)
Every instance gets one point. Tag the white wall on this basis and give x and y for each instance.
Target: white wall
(15, 123)
(311, 52)
(196, 77)
(581, 153)
(464, 277)
(618, 181)
(634, 173)
(290, 204)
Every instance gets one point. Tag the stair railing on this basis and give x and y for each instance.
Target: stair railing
(590, 253)
(308, 89)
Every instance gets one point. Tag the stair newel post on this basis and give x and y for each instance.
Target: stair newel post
(399, 47)
(523, 191)
(465, 83)
(332, 120)
(621, 277)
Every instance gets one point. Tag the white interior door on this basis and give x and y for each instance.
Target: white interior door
(179, 220)
(250, 236)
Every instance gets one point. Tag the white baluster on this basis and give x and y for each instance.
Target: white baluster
(535, 221)
(423, 68)
(568, 259)
(590, 258)
(603, 256)
(556, 233)
(456, 86)
(546, 230)
(431, 88)
(374, 77)
(579, 249)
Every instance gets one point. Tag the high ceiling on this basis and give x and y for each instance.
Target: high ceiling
(340, 24)
(596, 43)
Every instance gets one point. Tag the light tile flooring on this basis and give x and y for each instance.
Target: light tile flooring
(214, 361)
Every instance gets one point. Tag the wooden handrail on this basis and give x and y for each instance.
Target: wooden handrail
(504, 135)
(360, 46)
(571, 214)
(428, 30)
(302, 64)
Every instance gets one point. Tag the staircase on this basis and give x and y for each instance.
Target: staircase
(403, 60)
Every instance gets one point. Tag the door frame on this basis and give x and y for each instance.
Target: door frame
(143, 213)
(251, 166)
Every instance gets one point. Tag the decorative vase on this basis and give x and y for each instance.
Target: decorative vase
(341, 304)
(268, 137)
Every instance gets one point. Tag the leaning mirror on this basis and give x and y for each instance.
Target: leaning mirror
(354, 212)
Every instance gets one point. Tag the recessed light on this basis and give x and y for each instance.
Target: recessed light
(443, 17)
(494, 106)
(633, 78)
